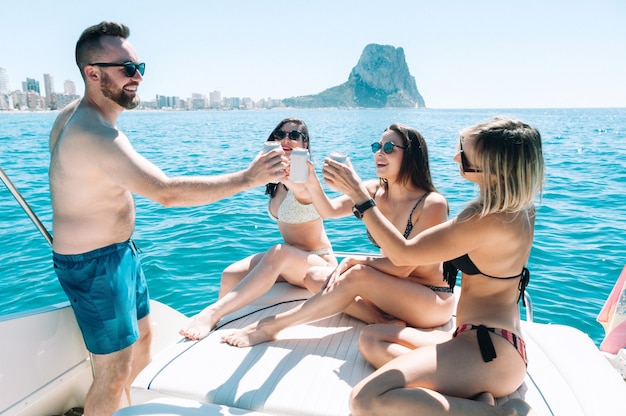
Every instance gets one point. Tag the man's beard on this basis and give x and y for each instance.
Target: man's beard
(119, 97)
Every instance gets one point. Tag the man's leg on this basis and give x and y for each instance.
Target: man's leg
(141, 356)
(111, 373)
(115, 372)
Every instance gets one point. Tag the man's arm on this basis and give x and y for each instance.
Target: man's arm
(119, 160)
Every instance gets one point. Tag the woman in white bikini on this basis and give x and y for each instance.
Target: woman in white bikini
(377, 290)
(437, 372)
(305, 243)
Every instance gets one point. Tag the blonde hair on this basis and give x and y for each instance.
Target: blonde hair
(510, 156)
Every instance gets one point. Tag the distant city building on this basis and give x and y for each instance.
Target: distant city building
(6, 101)
(31, 85)
(269, 103)
(148, 105)
(19, 99)
(61, 100)
(35, 101)
(232, 102)
(198, 101)
(31, 100)
(4, 80)
(247, 103)
(69, 87)
(167, 102)
(48, 85)
(215, 99)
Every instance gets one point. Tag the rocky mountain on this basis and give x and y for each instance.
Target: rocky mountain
(380, 79)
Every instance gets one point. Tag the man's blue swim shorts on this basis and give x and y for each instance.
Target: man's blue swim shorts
(108, 292)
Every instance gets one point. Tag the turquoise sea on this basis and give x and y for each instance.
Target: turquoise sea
(580, 241)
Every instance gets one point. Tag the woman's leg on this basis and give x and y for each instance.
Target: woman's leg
(279, 262)
(316, 279)
(236, 272)
(330, 301)
(205, 321)
(439, 379)
(402, 298)
(395, 296)
(381, 298)
(381, 343)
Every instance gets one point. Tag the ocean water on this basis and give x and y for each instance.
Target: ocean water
(580, 240)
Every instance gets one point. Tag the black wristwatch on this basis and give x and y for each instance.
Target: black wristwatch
(360, 209)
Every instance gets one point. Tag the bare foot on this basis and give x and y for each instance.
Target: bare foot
(246, 337)
(520, 406)
(200, 326)
(485, 397)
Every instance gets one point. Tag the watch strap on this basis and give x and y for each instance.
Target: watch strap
(360, 209)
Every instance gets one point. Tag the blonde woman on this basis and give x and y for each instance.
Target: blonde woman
(435, 372)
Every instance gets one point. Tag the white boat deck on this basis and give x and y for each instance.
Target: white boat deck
(311, 369)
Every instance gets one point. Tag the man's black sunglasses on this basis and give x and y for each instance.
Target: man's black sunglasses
(130, 68)
(293, 135)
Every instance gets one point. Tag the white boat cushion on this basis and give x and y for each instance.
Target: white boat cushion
(311, 369)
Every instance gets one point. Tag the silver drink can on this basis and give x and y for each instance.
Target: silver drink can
(339, 157)
(299, 170)
(269, 146)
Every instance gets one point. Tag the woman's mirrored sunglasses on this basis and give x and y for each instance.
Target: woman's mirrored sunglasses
(387, 147)
(130, 68)
(465, 162)
(293, 135)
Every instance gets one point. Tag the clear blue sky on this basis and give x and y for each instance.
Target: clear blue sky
(462, 53)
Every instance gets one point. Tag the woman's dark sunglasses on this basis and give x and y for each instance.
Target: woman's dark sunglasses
(130, 68)
(465, 162)
(387, 147)
(293, 135)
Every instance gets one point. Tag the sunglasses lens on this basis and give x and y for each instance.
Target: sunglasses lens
(280, 134)
(294, 134)
(130, 69)
(387, 147)
(465, 163)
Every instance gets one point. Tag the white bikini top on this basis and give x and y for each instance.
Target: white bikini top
(292, 211)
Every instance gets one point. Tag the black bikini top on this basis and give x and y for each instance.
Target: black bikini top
(409, 224)
(467, 266)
